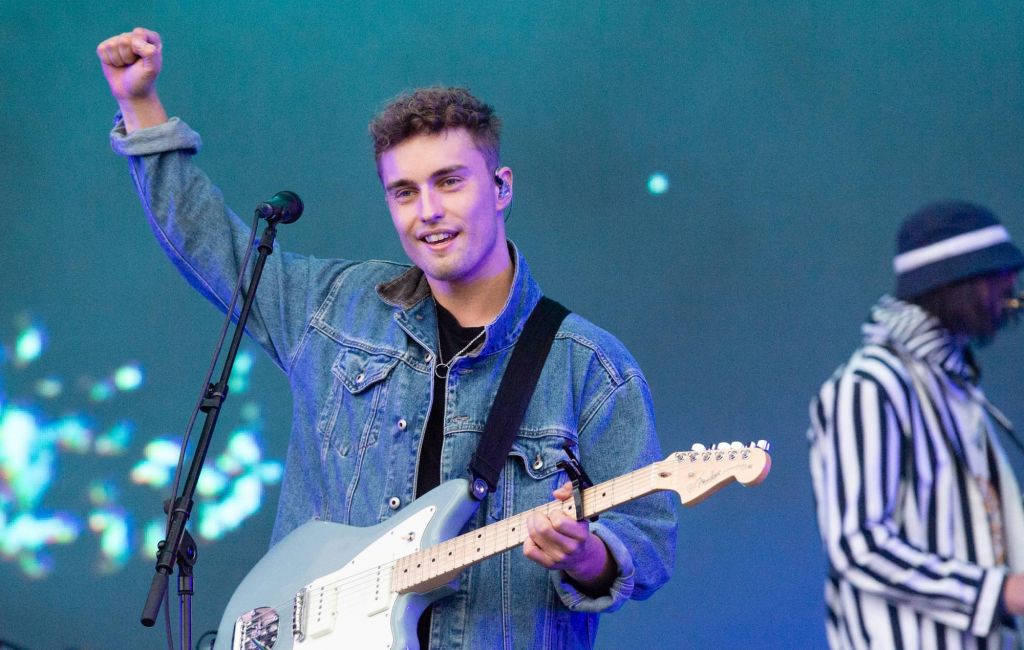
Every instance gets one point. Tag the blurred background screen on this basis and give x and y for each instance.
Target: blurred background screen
(718, 184)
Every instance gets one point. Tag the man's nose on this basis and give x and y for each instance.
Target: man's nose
(430, 206)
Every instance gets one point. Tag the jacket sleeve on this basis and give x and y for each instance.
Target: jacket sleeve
(617, 437)
(860, 464)
(207, 242)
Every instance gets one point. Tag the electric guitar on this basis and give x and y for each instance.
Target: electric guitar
(327, 585)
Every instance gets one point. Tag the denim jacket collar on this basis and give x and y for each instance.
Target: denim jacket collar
(409, 292)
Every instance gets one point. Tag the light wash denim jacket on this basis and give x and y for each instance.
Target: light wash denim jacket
(358, 342)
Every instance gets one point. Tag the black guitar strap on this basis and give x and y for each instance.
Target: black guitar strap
(514, 393)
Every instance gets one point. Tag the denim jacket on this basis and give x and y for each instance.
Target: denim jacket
(358, 342)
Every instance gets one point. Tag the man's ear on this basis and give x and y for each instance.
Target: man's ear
(503, 187)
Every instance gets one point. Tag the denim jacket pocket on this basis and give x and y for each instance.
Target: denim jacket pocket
(359, 378)
(530, 473)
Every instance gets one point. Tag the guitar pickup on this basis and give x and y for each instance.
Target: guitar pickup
(381, 601)
(321, 606)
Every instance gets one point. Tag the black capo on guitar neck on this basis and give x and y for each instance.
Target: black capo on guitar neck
(580, 481)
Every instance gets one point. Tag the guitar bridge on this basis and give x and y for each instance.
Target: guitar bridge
(299, 616)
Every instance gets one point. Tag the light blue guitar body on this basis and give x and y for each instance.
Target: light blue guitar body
(327, 585)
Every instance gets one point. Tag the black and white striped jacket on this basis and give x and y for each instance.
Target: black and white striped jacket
(902, 444)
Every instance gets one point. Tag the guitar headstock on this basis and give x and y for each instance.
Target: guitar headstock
(697, 474)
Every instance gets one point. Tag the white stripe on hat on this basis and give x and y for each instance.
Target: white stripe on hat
(947, 248)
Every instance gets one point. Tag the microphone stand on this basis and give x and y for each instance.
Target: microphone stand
(179, 547)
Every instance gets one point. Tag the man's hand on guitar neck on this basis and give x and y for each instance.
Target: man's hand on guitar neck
(561, 543)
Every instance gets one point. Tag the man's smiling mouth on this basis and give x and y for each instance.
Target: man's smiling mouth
(438, 237)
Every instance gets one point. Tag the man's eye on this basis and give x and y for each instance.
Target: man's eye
(402, 194)
(450, 181)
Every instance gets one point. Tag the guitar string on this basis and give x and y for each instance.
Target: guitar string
(347, 586)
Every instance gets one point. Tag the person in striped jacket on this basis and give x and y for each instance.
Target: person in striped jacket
(919, 512)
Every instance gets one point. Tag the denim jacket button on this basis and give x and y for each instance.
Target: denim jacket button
(360, 377)
(402, 424)
(538, 462)
(394, 503)
(428, 357)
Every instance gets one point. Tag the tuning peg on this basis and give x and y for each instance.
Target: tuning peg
(736, 444)
(722, 446)
(698, 447)
(763, 444)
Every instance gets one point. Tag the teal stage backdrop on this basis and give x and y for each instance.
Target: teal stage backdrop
(716, 183)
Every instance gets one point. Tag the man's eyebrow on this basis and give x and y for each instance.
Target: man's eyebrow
(404, 182)
(401, 182)
(444, 171)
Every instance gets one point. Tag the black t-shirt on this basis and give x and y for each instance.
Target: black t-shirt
(452, 338)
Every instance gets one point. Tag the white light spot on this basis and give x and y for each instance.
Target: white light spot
(657, 183)
(128, 377)
(29, 346)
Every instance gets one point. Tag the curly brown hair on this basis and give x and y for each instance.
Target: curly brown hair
(432, 110)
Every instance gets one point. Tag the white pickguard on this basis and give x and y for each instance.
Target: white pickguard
(354, 604)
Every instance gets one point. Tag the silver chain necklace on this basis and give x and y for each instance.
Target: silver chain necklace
(447, 366)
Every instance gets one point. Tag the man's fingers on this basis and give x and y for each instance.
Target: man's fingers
(558, 536)
(103, 51)
(117, 51)
(563, 492)
(532, 551)
(125, 49)
(539, 529)
(568, 526)
(145, 42)
(125, 54)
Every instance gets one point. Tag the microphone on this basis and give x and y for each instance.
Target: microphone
(1015, 305)
(283, 207)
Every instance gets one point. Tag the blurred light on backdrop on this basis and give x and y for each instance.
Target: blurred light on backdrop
(49, 388)
(29, 345)
(128, 377)
(114, 441)
(34, 443)
(657, 183)
(239, 380)
(102, 390)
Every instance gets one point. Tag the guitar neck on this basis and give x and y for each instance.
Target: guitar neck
(694, 475)
(433, 567)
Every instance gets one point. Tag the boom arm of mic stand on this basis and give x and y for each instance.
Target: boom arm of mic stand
(211, 405)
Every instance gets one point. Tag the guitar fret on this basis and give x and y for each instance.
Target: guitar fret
(605, 496)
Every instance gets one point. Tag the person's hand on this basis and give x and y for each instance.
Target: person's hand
(559, 542)
(131, 63)
(1013, 594)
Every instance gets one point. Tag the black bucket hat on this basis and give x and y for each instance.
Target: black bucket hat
(947, 242)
